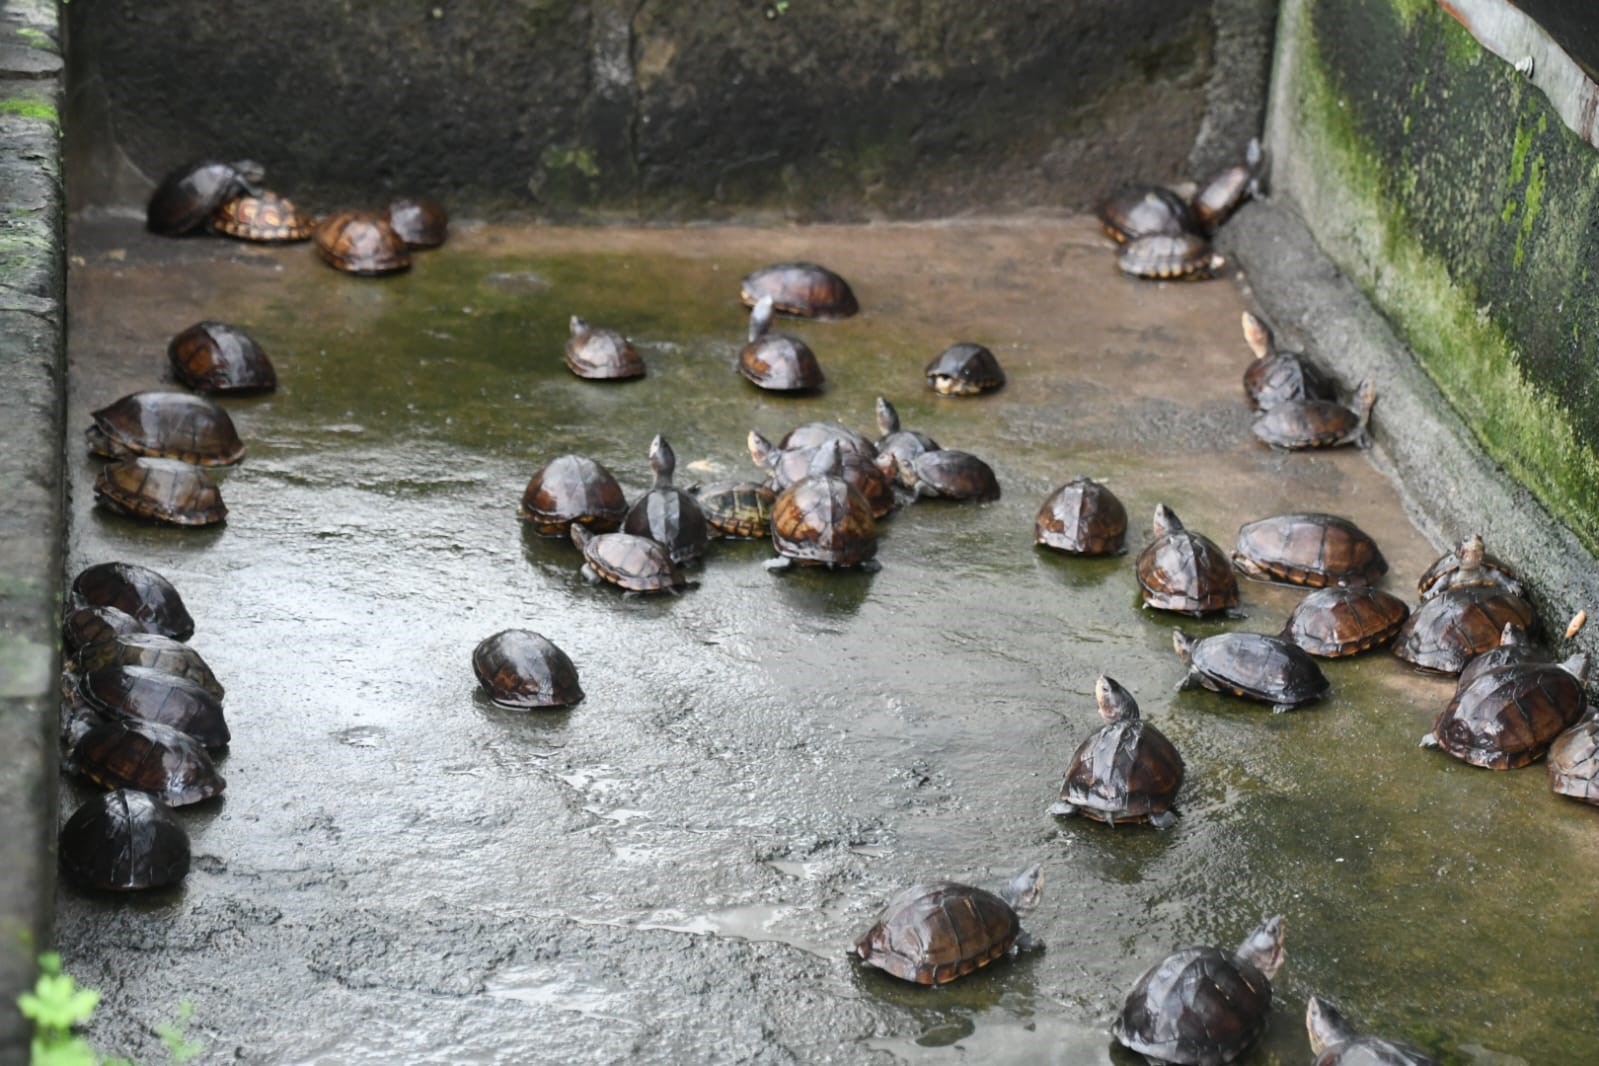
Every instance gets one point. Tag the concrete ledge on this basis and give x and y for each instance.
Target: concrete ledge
(32, 241)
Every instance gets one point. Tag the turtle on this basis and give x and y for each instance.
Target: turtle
(419, 221)
(823, 520)
(86, 625)
(1343, 620)
(666, 514)
(1253, 666)
(148, 649)
(1467, 563)
(933, 933)
(521, 669)
(151, 757)
(124, 841)
(265, 218)
(1203, 1006)
(1280, 377)
(601, 354)
(218, 357)
(160, 490)
(632, 563)
(573, 488)
(964, 369)
(803, 289)
(153, 695)
(188, 196)
(1334, 1042)
(776, 361)
(1183, 571)
(1082, 517)
(166, 425)
(360, 242)
(1508, 716)
(1515, 646)
(785, 468)
(1126, 771)
(1443, 633)
(813, 435)
(1135, 211)
(1308, 548)
(1186, 257)
(139, 591)
(1296, 424)
(736, 510)
(1219, 197)
(900, 444)
(947, 474)
(1574, 761)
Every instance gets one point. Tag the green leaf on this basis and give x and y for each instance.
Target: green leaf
(70, 1051)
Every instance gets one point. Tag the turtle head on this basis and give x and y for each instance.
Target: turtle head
(1184, 645)
(1512, 636)
(1023, 890)
(890, 465)
(1258, 336)
(887, 417)
(1365, 400)
(760, 318)
(662, 460)
(249, 170)
(1166, 521)
(1255, 163)
(1116, 704)
(581, 535)
(1470, 552)
(578, 326)
(762, 454)
(1577, 667)
(1264, 948)
(1327, 1027)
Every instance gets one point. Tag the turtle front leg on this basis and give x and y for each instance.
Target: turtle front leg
(1062, 809)
(1163, 820)
(589, 574)
(782, 562)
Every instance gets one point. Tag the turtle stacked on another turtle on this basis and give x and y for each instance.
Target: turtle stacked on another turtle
(1164, 236)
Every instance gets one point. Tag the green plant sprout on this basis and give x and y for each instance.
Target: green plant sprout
(57, 1006)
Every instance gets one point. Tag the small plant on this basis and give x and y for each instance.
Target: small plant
(57, 1006)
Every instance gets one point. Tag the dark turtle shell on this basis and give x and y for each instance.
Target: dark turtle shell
(217, 357)
(1338, 621)
(573, 488)
(1082, 517)
(1445, 632)
(139, 591)
(1574, 761)
(822, 519)
(601, 354)
(188, 196)
(950, 475)
(803, 289)
(1514, 647)
(166, 425)
(86, 625)
(419, 221)
(813, 435)
(736, 510)
(266, 219)
(788, 467)
(964, 370)
(152, 650)
(1299, 424)
(634, 563)
(1220, 196)
(1126, 771)
(1253, 666)
(1136, 211)
(1183, 571)
(1507, 717)
(666, 514)
(1203, 1006)
(1308, 549)
(900, 445)
(360, 242)
(153, 695)
(123, 841)
(521, 669)
(934, 933)
(1446, 570)
(1187, 257)
(154, 758)
(1277, 377)
(160, 490)
(1335, 1043)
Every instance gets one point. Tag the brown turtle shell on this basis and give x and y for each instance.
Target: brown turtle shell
(1514, 647)
(573, 488)
(419, 221)
(150, 757)
(1277, 377)
(803, 289)
(1445, 572)
(218, 357)
(1308, 549)
(152, 650)
(1508, 717)
(1082, 517)
(1338, 621)
(265, 219)
(601, 354)
(823, 520)
(964, 370)
(947, 474)
(139, 591)
(1186, 257)
(1299, 424)
(1185, 572)
(1445, 632)
(87, 625)
(789, 467)
(1145, 211)
(1220, 196)
(1574, 761)
(166, 425)
(153, 695)
(781, 363)
(933, 933)
(360, 242)
(188, 196)
(1126, 771)
(634, 563)
(736, 510)
(160, 490)
(1253, 666)
(519, 668)
(124, 841)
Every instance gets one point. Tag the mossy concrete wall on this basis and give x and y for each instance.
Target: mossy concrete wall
(1449, 189)
(657, 110)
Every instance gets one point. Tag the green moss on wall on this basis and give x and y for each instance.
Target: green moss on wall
(30, 108)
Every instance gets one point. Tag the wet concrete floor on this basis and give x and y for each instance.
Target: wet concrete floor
(672, 870)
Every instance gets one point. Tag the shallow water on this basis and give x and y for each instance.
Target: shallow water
(672, 870)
